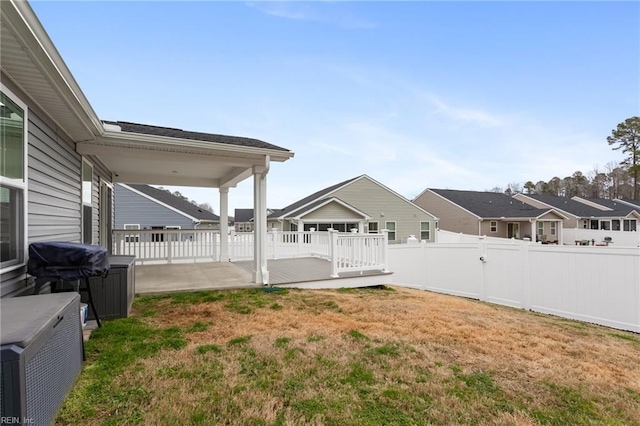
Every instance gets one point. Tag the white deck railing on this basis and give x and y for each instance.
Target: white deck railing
(281, 244)
(357, 252)
(348, 252)
(167, 245)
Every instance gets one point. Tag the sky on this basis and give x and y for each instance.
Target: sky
(418, 94)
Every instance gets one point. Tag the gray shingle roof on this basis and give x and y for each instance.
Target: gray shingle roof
(146, 129)
(308, 199)
(619, 208)
(175, 202)
(490, 204)
(579, 209)
(243, 215)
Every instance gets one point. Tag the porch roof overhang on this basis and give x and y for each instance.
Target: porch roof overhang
(162, 160)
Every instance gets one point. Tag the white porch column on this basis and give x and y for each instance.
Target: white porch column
(361, 227)
(560, 232)
(534, 230)
(260, 271)
(224, 224)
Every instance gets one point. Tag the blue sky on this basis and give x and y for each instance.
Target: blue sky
(459, 95)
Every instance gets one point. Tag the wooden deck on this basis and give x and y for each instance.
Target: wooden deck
(307, 272)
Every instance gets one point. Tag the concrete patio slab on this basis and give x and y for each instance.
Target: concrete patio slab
(171, 278)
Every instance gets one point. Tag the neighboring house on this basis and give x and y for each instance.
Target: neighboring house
(243, 219)
(492, 214)
(588, 213)
(146, 207)
(59, 160)
(360, 203)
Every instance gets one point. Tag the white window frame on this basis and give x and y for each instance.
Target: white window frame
(131, 238)
(376, 226)
(493, 226)
(104, 236)
(554, 227)
(540, 229)
(428, 231)
(389, 231)
(173, 237)
(605, 225)
(626, 225)
(84, 203)
(22, 185)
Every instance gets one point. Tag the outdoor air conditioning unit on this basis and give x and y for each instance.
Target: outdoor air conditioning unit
(41, 355)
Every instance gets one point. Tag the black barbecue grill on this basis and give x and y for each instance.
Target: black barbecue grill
(59, 262)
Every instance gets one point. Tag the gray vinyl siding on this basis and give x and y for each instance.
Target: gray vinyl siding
(333, 212)
(451, 216)
(133, 208)
(54, 189)
(385, 206)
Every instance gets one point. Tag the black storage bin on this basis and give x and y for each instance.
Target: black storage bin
(41, 355)
(113, 295)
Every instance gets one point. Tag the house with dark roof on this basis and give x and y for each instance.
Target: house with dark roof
(145, 207)
(492, 214)
(243, 219)
(60, 161)
(361, 204)
(588, 213)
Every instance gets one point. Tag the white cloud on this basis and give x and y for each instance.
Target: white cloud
(476, 116)
(325, 12)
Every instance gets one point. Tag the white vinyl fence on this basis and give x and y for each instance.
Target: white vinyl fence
(595, 284)
(597, 236)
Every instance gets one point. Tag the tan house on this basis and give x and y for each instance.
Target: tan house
(492, 214)
(360, 204)
(588, 213)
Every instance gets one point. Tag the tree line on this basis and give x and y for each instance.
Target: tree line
(615, 180)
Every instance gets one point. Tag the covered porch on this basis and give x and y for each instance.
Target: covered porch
(153, 155)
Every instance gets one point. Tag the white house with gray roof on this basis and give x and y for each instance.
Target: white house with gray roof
(361, 204)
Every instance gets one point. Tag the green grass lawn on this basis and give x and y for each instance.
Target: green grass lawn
(380, 356)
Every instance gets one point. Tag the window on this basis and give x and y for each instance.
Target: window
(615, 225)
(629, 225)
(87, 205)
(553, 227)
(132, 238)
(493, 226)
(13, 186)
(391, 227)
(424, 231)
(373, 227)
(159, 237)
(605, 225)
(174, 236)
(540, 228)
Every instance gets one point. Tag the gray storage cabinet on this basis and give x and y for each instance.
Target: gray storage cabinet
(113, 295)
(40, 354)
